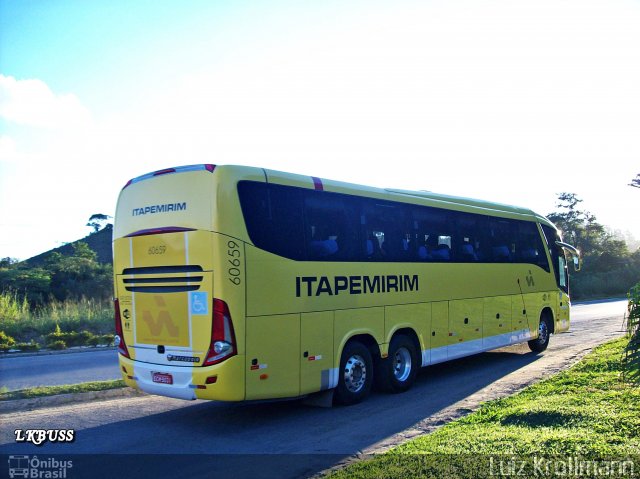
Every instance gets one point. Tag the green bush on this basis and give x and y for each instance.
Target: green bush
(30, 346)
(107, 339)
(6, 342)
(57, 345)
(5, 339)
(631, 361)
(607, 284)
(71, 339)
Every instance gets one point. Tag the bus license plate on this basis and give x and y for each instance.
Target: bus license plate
(162, 378)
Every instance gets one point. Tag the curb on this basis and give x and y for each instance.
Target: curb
(80, 349)
(22, 405)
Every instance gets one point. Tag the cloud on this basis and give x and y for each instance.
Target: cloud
(8, 149)
(32, 103)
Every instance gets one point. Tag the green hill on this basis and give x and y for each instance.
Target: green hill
(99, 242)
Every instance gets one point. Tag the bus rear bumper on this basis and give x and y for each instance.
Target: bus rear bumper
(222, 382)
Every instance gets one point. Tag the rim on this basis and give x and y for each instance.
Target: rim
(402, 364)
(543, 332)
(355, 373)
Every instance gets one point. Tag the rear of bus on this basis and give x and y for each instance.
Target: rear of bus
(179, 283)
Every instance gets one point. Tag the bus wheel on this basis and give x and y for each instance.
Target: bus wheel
(355, 375)
(544, 331)
(397, 372)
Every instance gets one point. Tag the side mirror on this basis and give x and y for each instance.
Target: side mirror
(575, 254)
(577, 263)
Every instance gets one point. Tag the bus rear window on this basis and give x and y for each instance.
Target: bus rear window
(273, 217)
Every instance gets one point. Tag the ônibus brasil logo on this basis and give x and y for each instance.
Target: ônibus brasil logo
(35, 467)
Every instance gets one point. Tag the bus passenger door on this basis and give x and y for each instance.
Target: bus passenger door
(316, 351)
(272, 356)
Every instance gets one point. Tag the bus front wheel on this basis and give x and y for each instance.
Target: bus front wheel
(544, 332)
(355, 376)
(397, 372)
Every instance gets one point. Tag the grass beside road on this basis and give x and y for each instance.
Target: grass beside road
(584, 412)
(65, 389)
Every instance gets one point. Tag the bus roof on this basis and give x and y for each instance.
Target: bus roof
(406, 196)
(427, 198)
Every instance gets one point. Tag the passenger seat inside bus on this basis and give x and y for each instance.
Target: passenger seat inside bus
(501, 254)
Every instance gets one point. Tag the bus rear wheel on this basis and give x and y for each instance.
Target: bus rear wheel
(544, 332)
(397, 372)
(355, 376)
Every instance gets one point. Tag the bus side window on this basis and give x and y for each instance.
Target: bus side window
(331, 227)
(502, 240)
(387, 229)
(530, 248)
(434, 239)
(469, 234)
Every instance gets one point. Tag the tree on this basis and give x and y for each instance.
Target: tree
(7, 262)
(98, 221)
(79, 275)
(570, 220)
(32, 283)
(600, 249)
(636, 181)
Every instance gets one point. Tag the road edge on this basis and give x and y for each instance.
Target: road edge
(23, 405)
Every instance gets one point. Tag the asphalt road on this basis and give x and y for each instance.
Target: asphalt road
(162, 437)
(19, 372)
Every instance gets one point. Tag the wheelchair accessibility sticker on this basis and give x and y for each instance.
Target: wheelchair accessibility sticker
(198, 302)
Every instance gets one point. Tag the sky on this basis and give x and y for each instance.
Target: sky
(504, 100)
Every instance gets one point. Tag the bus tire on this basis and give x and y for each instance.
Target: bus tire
(355, 375)
(544, 332)
(397, 372)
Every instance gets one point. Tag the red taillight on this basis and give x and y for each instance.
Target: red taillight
(223, 339)
(119, 338)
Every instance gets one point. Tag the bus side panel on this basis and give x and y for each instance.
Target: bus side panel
(412, 316)
(273, 356)
(317, 370)
(465, 327)
(520, 330)
(229, 384)
(351, 322)
(562, 318)
(439, 331)
(230, 279)
(497, 322)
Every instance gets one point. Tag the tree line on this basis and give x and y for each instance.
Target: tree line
(609, 268)
(59, 278)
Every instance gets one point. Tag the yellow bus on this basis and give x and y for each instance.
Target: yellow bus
(238, 283)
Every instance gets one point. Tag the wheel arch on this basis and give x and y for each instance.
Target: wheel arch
(412, 335)
(367, 340)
